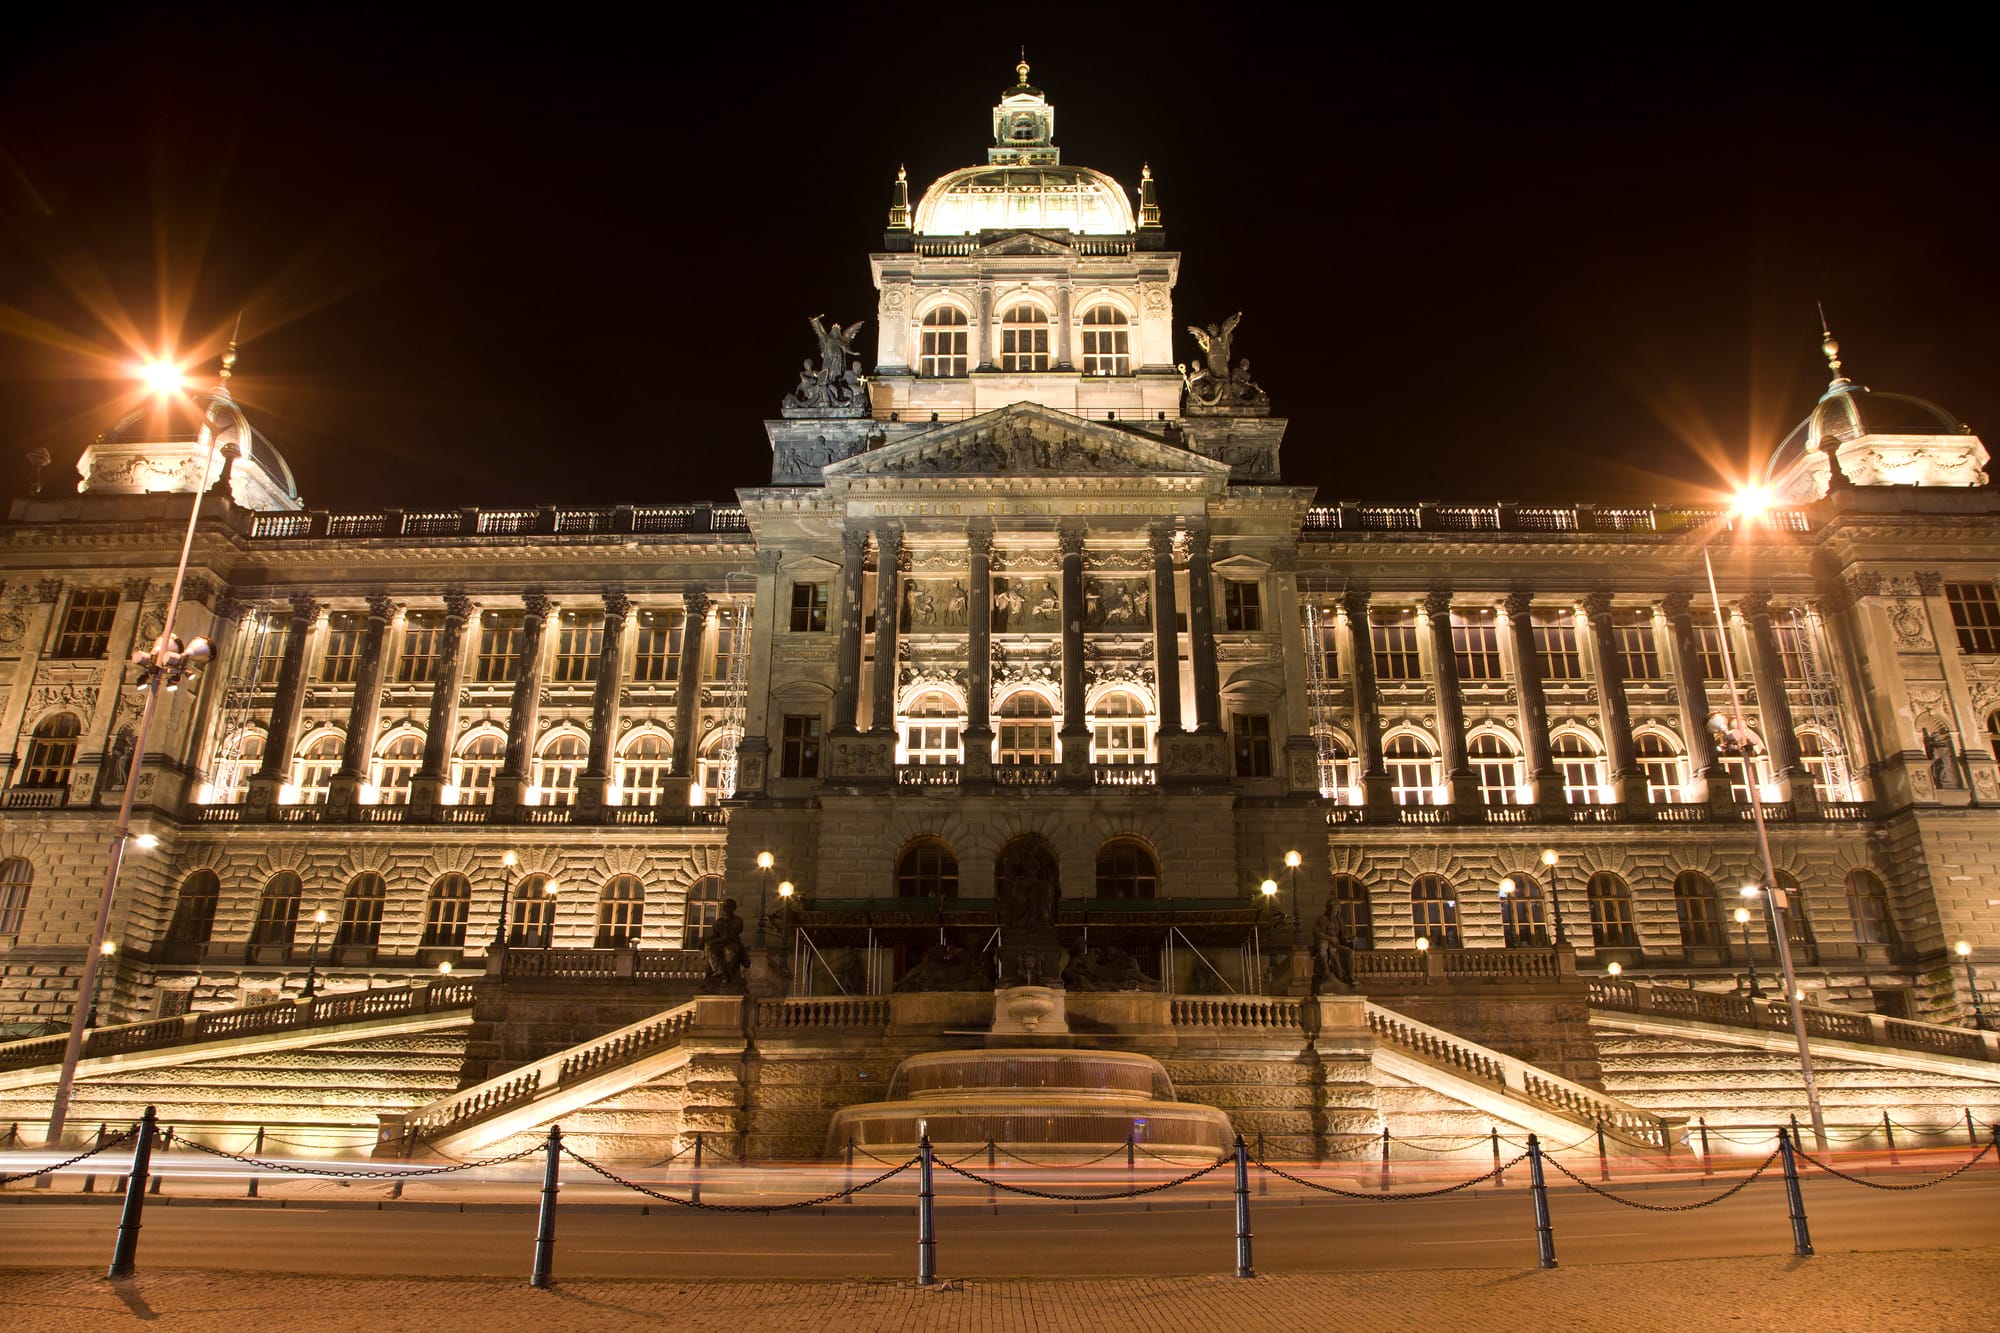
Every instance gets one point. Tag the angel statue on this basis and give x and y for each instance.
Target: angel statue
(1215, 341)
(834, 386)
(836, 345)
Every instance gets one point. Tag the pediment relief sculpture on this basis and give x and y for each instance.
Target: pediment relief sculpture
(1027, 442)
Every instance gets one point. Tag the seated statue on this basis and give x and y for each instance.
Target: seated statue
(946, 967)
(726, 955)
(1109, 968)
(1333, 949)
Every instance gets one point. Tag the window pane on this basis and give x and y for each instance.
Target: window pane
(86, 628)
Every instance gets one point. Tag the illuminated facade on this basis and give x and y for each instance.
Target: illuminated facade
(1034, 572)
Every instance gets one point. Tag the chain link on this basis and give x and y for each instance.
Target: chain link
(637, 1188)
(1377, 1197)
(1058, 1166)
(1878, 1185)
(1668, 1207)
(111, 1142)
(398, 1173)
(1085, 1198)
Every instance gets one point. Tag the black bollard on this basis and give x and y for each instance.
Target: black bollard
(993, 1163)
(926, 1218)
(166, 1145)
(258, 1151)
(1971, 1134)
(1385, 1159)
(1801, 1237)
(1603, 1159)
(1889, 1133)
(127, 1248)
(409, 1147)
(694, 1180)
(1263, 1177)
(1499, 1181)
(545, 1226)
(1243, 1267)
(90, 1176)
(849, 1184)
(1707, 1165)
(1545, 1234)
(1131, 1156)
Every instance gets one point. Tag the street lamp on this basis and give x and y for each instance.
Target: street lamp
(312, 967)
(764, 863)
(169, 661)
(1733, 738)
(444, 968)
(1292, 862)
(1269, 888)
(549, 917)
(1507, 933)
(785, 892)
(1964, 950)
(1549, 859)
(1615, 970)
(508, 860)
(1749, 958)
(105, 949)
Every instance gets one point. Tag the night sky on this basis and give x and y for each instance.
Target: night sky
(484, 260)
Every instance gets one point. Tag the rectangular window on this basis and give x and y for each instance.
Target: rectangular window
(1250, 735)
(656, 647)
(1708, 650)
(579, 639)
(423, 638)
(86, 626)
(271, 645)
(729, 642)
(499, 647)
(1556, 645)
(1327, 624)
(1394, 636)
(1638, 646)
(808, 608)
(1475, 642)
(1242, 607)
(801, 746)
(343, 647)
(1975, 613)
(1793, 650)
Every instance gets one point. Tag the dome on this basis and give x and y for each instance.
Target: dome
(1031, 198)
(1848, 411)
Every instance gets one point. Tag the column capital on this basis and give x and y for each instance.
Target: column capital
(1198, 539)
(305, 607)
(853, 542)
(979, 538)
(1929, 582)
(1161, 538)
(1755, 605)
(1518, 603)
(537, 603)
(1354, 601)
(1597, 605)
(617, 605)
(1437, 602)
(381, 606)
(698, 603)
(1677, 604)
(457, 606)
(1070, 536)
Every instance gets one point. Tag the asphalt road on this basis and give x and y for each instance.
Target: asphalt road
(1293, 1233)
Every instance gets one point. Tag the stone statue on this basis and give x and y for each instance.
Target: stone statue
(1110, 968)
(1944, 762)
(726, 955)
(834, 387)
(1333, 949)
(118, 764)
(1028, 887)
(1219, 386)
(946, 967)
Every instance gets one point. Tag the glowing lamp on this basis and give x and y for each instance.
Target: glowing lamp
(146, 842)
(1423, 944)
(1549, 857)
(1293, 860)
(510, 858)
(160, 377)
(1750, 502)
(1963, 949)
(1269, 888)
(1616, 970)
(1742, 915)
(765, 860)
(108, 948)
(1507, 887)
(785, 889)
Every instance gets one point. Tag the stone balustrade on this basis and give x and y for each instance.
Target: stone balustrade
(1734, 1010)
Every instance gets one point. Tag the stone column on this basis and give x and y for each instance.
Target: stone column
(1166, 631)
(1678, 608)
(1534, 704)
(1451, 702)
(430, 780)
(687, 689)
(979, 655)
(847, 677)
(1768, 670)
(362, 714)
(1075, 722)
(512, 780)
(982, 330)
(283, 732)
(596, 775)
(888, 560)
(753, 753)
(1201, 630)
(1063, 335)
(1375, 787)
(1626, 788)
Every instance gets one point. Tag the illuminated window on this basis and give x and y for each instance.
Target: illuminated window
(449, 908)
(277, 912)
(423, 639)
(1661, 765)
(318, 762)
(1695, 908)
(479, 761)
(1434, 911)
(1126, 869)
(579, 641)
(1794, 650)
(396, 768)
(1352, 908)
(1523, 924)
(1392, 632)
(361, 912)
(808, 608)
(1708, 650)
(644, 767)
(1027, 731)
(1611, 912)
(928, 868)
(272, 641)
(1556, 650)
(52, 751)
(1638, 645)
(1242, 606)
(1475, 643)
(235, 767)
(656, 646)
(931, 730)
(500, 634)
(1497, 767)
(1024, 338)
(731, 640)
(1412, 770)
(704, 909)
(344, 631)
(1107, 341)
(800, 755)
(1250, 744)
(556, 772)
(621, 912)
(86, 625)
(534, 913)
(1328, 624)
(1975, 614)
(1813, 755)
(17, 880)
(944, 342)
(1582, 773)
(193, 921)
(1118, 729)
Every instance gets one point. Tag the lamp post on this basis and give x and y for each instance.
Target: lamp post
(165, 662)
(764, 863)
(1507, 930)
(1734, 738)
(1749, 958)
(1292, 863)
(549, 917)
(1549, 859)
(106, 948)
(312, 966)
(785, 891)
(1269, 888)
(508, 860)
(1964, 950)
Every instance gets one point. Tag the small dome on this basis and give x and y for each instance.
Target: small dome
(1031, 198)
(1848, 411)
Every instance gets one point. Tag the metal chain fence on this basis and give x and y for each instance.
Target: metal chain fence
(1377, 1197)
(1738, 1187)
(110, 1142)
(1132, 1193)
(637, 1188)
(1975, 1159)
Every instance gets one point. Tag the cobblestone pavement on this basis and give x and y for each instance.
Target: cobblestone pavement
(1880, 1293)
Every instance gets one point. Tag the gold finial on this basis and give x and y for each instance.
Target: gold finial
(1022, 68)
(902, 175)
(1828, 345)
(1145, 171)
(229, 357)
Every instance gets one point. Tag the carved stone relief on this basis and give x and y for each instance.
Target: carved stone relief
(1026, 605)
(1117, 603)
(932, 605)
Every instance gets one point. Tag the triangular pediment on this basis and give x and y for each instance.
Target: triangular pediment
(1027, 439)
(1024, 243)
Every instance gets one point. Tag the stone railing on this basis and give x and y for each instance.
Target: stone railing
(1584, 518)
(1636, 812)
(1732, 1010)
(832, 1011)
(1125, 775)
(527, 963)
(547, 521)
(1436, 1047)
(37, 798)
(927, 775)
(1448, 965)
(1251, 1012)
(225, 1024)
(1026, 775)
(615, 815)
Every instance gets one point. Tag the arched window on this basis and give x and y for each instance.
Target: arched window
(236, 766)
(643, 769)
(928, 868)
(556, 771)
(1027, 731)
(715, 766)
(1434, 911)
(1352, 906)
(1611, 924)
(1118, 729)
(52, 751)
(1696, 908)
(1662, 766)
(1583, 777)
(1126, 868)
(1523, 922)
(534, 913)
(194, 909)
(931, 729)
(361, 912)
(621, 912)
(1812, 754)
(943, 353)
(1107, 341)
(1798, 921)
(704, 908)
(1739, 771)
(1497, 767)
(479, 760)
(396, 768)
(277, 912)
(1412, 769)
(17, 879)
(1868, 908)
(1024, 338)
(446, 915)
(318, 762)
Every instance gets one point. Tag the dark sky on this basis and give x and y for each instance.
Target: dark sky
(569, 258)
